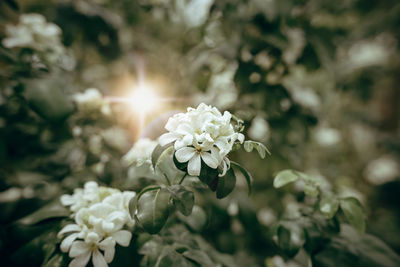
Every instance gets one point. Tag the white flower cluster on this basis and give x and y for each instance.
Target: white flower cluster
(100, 215)
(92, 100)
(202, 134)
(34, 32)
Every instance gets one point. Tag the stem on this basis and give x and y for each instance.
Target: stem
(180, 182)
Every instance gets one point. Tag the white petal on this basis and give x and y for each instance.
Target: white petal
(184, 154)
(167, 138)
(122, 237)
(240, 138)
(194, 165)
(69, 228)
(80, 261)
(98, 259)
(210, 160)
(67, 200)
(78, 248)
(108, 245)
(226, 166)
(67, 242)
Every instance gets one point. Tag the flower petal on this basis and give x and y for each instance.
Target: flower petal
(194, 165)
(67, 242)
(78, 248)
(98, 259)
(69, 228)
(167, 138)
(185, 153)
(122, 237)
(210, 160)
(80, 261)
(108, 245)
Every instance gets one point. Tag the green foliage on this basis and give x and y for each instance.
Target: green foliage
(152, 209)
(354, 213)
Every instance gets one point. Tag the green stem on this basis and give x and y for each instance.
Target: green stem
(180, 182)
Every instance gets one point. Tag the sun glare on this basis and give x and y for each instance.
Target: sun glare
(144, 99)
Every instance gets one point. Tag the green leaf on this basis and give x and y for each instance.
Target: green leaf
(51, 210)
(165, 165)
(226, 184)
(354, 213)
(246, 174)
(197, 220)
(329, 206)
(198, 256)
(285, 177)
(158, 150)
(261, 148)
(285, 241)
(248, 146)
(133, 201)
(169, 257)
(47, 98)
(311, 190)
(183, 199)
(152, 209)
(209, 176)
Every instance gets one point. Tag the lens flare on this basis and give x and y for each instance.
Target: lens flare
(144, 99)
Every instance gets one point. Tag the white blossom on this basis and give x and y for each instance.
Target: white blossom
(100, 215)
(201, 134)
(92, 100)
(34, 32)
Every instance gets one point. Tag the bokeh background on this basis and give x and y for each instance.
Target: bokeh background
(316, 81)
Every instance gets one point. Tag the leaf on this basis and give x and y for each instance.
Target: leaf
(285, 241)
(169, 257)
(183, 199)
(133, 201)
(261, 148)
(246, 174)
(152, 209)
(329, 206)
(285, 177)
(198, 256)
(47, 98)
(165, 165)
(248, 146)
(197, 220)
(311, 190)
(158, 150)
(209, 176)
(226, 184)
(51, 210)
(354, 213)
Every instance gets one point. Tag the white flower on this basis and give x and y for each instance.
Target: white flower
(92, 100)
(34, 32)
(100, 214)
(201, 134)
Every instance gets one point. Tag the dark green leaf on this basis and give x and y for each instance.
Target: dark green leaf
(198, 256)
(51, 210)
(246, 174)
(183, 199)
(354, 213)
(329, 206)
(285, 177)
(152, 209)
(226, 184)
(47, 98)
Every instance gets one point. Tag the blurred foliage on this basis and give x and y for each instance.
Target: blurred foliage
(316, 81)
